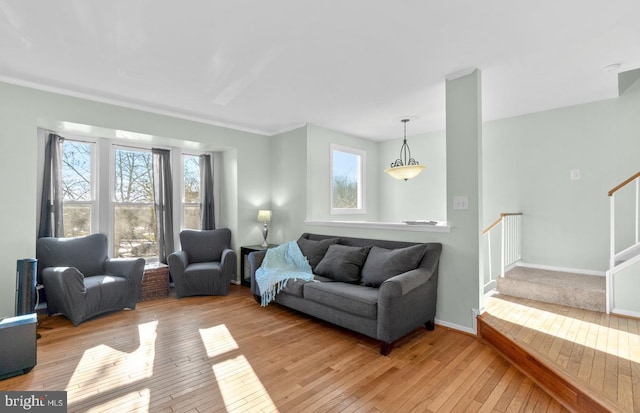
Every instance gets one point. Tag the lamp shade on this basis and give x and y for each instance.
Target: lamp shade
(264, 215)
(405, 172)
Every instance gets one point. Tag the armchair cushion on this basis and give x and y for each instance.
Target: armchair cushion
(87, 254)
(205, 246)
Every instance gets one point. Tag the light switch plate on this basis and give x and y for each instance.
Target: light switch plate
(461, 202)
(574, 174)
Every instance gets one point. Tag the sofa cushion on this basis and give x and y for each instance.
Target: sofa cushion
(382, 264)
(315, 250)
(343, 263)
(294, 287)
(352, 298)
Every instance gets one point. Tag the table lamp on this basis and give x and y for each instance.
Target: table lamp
(264, 216)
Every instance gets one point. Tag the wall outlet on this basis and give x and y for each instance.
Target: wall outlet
(461, 202)
(574, 174)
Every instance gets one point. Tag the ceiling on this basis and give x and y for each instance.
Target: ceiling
(355, 66)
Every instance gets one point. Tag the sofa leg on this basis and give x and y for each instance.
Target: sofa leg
(430, 325)
(257, 298)
(385, 348)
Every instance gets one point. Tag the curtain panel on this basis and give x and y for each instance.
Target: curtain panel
(163, 202)
(51, 214)
(207, 209)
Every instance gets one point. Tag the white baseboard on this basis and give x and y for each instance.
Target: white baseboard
(625, 313)
(455, 327)
(561, 269)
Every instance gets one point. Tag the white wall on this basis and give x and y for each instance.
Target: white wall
(423, 197)
(289, 185)
(245, 173)
(527, 163)
(319, 176)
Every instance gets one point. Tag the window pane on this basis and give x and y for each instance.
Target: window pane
(77, 220)
(135, 232)
(76, 171)
(191, 179)
(192, 216)
(346, 171)
(133, 176)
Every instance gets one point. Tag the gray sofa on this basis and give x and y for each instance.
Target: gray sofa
(355, 289)
(80, 281)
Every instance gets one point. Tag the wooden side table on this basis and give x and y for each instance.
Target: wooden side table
(244, 260)
(155, 282)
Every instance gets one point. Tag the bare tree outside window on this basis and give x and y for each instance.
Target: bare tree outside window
(77, 187)
(347, 180)
(135, 223)
(191, 195)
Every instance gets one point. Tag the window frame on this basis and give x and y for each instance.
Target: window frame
(112, 203)
(361, 179)
(94, 184)
(183, 203)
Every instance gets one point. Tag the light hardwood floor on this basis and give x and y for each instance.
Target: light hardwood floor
(596, 352)
(227, 354)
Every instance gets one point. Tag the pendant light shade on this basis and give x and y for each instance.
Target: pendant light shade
(405, 167)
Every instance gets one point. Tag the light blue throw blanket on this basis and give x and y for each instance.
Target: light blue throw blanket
(281, 264)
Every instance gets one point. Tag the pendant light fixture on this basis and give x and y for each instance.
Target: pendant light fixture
(405, 167)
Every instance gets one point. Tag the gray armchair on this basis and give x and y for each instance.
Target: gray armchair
(206, 264)
(80, 281)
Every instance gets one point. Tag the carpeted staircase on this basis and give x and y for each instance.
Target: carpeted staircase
(569, 289)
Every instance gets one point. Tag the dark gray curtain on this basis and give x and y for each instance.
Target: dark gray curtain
(51, 222)
(163, 201)
(207, 209)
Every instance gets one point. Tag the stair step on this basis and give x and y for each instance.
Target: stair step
(627, 254)
(569, 289)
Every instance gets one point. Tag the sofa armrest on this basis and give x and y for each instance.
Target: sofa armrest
(408, 300)
(255, 261)
(404, 283)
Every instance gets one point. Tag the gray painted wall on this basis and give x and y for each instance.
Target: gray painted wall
(527, 169)
(245, 173)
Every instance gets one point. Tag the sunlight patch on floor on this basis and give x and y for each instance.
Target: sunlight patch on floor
(100, 364)
(135, 401)
(601, 338)
(240, 387)
(217, 340)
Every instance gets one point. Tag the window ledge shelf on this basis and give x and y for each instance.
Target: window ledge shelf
(396, 226)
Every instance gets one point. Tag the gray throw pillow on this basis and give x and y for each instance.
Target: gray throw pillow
(343, 263)
(315, 250)
(382, 264)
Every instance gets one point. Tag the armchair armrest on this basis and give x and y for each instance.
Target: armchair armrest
(228, 262)
(125, 267)
(178, 261)
(255, 261)
(64, 286)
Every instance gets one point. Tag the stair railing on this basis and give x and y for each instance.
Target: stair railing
(629, 254)
(510, 241)
(612, 215)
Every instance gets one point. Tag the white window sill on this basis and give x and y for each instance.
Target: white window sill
(396, 226)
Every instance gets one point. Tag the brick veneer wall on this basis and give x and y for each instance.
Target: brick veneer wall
(155, 283)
